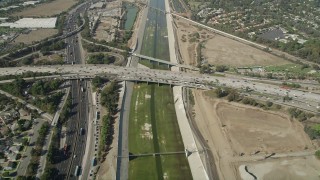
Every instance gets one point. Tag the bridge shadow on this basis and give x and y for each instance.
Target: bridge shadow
(132, 156)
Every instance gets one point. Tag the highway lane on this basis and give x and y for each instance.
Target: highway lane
(74, 141)
(186, 78)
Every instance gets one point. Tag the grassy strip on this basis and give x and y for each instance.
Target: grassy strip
(154, 128)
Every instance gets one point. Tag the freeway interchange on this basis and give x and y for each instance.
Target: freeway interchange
(301, 99)
(77, 72)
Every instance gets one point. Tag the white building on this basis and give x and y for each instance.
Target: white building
(32, 23)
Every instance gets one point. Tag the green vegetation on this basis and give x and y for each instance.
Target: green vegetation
(317, 154)
(49, 103)
(5, 101)
(222, 68)
(105, 135)
(178, 6)
(45, 87)
(85, 33)
(66, 110)
(54, 147)
(293, 71)
(97, 81)
(292, 85)
(53, 47)
(94, 48)
(16, 87)
(37, 150)
(299, 114)
(154, 128)
(109, 99)
(22, 126)
(100, 58)
(254, 16)
(233, 95)
(153, 124)
(205, 69)
(313, 131)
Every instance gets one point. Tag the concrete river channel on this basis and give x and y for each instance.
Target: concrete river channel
(153, 126)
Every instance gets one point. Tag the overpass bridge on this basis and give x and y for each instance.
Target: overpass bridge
(116, 77)
(187, 79)
(160, 61)
(186, 152)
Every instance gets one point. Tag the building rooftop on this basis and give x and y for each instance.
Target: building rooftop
(32, 23)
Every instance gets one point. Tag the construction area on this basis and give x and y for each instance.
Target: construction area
(105, 19)
(247, 142)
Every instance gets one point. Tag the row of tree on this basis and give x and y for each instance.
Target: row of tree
(49, 103)
(109, 99)
(44, 87)
(100, 58)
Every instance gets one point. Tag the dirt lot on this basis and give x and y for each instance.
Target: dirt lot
(188, 43)
(35, 35)
(221, 50)
(250, 130)
(293, 169)
(104, 30)
(237, 134)
(47, 9)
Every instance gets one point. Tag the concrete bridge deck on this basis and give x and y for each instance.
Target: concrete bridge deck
(164, 62)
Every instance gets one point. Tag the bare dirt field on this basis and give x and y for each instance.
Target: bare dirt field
(237, 135)
(291, 168)
(188, 41)
(219, 50)
(104, 30)
(47, 9)
(250, 130)
(224, 51)
(35, 35)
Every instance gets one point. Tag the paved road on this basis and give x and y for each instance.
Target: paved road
(310, 100)
(22, 169)
(76, 143)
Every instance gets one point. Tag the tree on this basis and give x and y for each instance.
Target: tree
(221, 92)
(205, 69)
(97, 81)
(233, 95)
(269, 103)
(221, 68)
(48, 174)
(317, 154)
